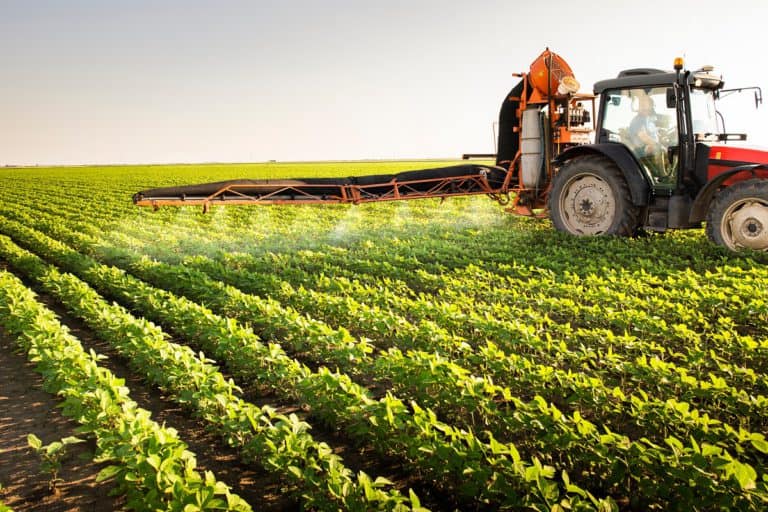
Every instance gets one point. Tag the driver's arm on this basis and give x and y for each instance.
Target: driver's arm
(649, 143)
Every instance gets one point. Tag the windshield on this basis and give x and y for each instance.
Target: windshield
(640, 119)
(703, 114)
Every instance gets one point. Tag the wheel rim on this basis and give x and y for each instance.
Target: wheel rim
(745, 225)
(588, 205)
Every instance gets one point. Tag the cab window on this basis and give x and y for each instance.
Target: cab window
(640, 119)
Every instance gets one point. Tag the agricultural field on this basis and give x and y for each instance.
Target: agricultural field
(420, 355)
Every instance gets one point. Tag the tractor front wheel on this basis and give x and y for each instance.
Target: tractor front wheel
(738, 216)
(591, 197)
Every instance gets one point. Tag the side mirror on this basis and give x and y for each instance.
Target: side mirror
(671, 99)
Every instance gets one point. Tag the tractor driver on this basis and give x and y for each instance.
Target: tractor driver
(643, 131)
(644, 137)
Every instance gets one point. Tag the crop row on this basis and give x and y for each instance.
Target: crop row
(148, 462)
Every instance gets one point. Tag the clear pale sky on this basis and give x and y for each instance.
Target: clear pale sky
(118, 81)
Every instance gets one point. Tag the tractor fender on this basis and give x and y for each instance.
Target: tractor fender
(705, 195)
(619, 154)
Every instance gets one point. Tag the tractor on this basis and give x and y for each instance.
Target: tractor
(656, 157)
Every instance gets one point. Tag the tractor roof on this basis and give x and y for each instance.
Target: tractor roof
(642, 77)
(637, 77)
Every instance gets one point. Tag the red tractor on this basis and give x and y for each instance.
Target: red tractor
(655, 158)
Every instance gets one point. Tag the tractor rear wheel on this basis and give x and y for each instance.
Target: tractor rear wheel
(738, 216)
(591, 197)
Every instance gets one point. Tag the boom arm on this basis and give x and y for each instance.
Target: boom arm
(460, 180)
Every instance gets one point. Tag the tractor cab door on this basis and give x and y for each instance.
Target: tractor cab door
(641, 119)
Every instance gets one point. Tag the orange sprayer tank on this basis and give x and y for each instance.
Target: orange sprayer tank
(560, 74)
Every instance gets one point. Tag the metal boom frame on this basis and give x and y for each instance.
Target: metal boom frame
(292, 193)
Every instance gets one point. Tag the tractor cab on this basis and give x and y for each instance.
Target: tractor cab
(640, 119)
(659, 117)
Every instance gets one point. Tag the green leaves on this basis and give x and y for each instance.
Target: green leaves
(109, 472)
(34, 442)
(744, 474)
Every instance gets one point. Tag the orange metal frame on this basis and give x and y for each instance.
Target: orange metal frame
(562, 136)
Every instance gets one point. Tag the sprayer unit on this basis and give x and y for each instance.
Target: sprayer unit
(589, 173)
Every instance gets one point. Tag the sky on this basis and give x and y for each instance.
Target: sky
(118, 81)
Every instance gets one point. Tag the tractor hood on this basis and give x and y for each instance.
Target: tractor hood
(741, 155)
(722, 158)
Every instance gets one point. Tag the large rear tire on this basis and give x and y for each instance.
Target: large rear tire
(591, 197)
(738, 216)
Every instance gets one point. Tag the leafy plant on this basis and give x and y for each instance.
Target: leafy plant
(51, 456)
